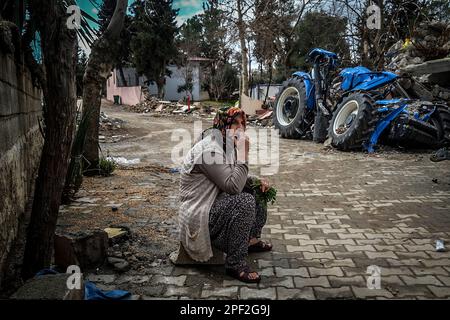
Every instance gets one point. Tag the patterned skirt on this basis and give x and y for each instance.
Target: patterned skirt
(233, 221)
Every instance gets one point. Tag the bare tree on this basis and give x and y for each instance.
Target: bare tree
(265, 30)
(289, 16)
(398, 20)
(242, 28)
(222, 81)
(239, 14)
(186, 72)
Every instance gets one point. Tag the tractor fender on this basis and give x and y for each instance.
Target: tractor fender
(310, 89)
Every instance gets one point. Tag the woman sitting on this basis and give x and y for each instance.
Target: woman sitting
(218, 205)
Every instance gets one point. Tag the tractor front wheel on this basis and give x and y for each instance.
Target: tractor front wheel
(353, 122)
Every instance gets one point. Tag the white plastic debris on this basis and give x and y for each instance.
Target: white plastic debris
(183, 109)
(440, 246)
(124, 161)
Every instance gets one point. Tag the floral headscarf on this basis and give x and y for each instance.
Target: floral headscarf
(225, 117)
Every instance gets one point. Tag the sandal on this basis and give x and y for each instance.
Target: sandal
(244, 277)
(260, 246)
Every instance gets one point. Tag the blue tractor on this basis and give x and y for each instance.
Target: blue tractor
(357, 107)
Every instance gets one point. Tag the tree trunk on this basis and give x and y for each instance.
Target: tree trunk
(59, 53)
(270, 82)
(99, 66)
(160, 85)
(160, 90)
(365, 54)
(286, 63)
(249, 72)
(244, 50)
(379, 63)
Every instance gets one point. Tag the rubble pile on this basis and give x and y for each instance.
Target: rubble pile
(112, 129)
(261, 119)
(155, 107)
(108, 124)
(145, 106)
(431, 41)
(152, 104)
(441, 93)
(138, 253)
(430, 44)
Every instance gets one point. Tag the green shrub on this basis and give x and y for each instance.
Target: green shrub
(106, 166)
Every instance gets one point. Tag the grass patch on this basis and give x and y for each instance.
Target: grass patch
(106, 166)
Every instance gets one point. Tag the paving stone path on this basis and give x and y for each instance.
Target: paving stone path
(336, 215)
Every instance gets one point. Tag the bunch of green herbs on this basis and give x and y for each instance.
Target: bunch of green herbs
(263, 198)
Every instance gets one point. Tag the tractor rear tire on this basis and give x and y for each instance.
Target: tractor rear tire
(353, 122)
(321, 123)
(296, 127)
(441, 119)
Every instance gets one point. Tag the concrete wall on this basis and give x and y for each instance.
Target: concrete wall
(20, 150)
(176, 79)
(258, 92)
(129, 95)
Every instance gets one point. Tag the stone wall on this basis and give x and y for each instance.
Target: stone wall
(20, 150)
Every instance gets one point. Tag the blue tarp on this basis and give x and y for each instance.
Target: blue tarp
(91, 292)
(46, 271)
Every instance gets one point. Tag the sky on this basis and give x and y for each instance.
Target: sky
(188, 8)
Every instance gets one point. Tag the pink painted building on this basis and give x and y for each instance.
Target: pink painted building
(129, 95)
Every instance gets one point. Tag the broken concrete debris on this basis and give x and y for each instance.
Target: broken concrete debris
(153, 105)
(49, 287)
(258, 114)
(431, 41)
(120, 265)
(157, 108)
(108, 123)
(117, 234)
(262, 118)
(425, 56)
(109, 127)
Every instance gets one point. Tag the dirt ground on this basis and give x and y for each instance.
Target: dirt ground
(141, 197)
